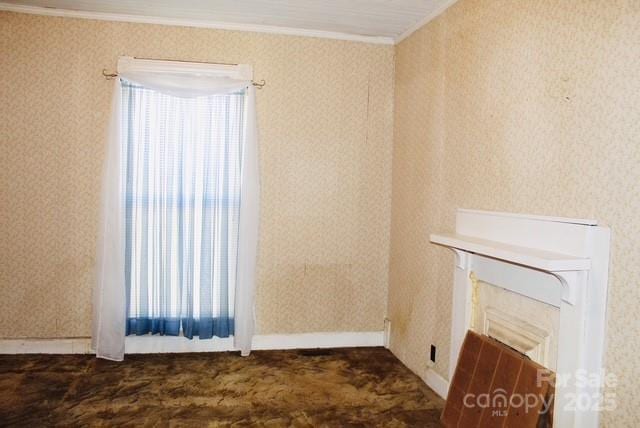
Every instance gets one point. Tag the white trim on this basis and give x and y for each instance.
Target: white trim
(424, 21)
(174, 344)
(80, 345)
(387, 333)
(554, 234)
(436, 382)
(537, 285)
(318, 340)
(183, 22)
(164, 344)
(517, 332)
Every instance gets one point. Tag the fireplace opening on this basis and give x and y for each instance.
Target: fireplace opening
(527, 325)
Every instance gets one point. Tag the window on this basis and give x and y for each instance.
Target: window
(181, 171)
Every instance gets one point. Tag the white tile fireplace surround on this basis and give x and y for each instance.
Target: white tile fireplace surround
(559, 262)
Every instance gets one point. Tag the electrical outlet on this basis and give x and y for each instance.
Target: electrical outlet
(432, 356)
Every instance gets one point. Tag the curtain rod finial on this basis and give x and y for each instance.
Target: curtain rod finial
(108, 75)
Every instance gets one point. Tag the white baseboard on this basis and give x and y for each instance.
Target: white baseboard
(318, 340)
(80, 345)
(164, 344)
(436, 382)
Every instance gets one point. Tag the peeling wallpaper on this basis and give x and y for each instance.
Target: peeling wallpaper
(325, 123)
(521, 106)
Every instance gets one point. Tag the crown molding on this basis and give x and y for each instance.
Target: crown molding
(431, 16)
(269, 29)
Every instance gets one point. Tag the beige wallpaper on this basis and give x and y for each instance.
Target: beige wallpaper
(325, 122)
(523, 106)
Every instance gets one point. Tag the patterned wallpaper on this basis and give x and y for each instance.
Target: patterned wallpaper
(535, 113)
(325, 122)
(522, 106)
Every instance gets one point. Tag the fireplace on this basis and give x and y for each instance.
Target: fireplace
(527, 325)
(539, 285)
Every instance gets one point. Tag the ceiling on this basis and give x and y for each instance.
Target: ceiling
(381, 21)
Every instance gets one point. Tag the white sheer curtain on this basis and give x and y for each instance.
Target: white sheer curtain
(186, 80)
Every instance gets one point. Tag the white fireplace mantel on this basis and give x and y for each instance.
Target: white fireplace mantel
(559, 261)
(538, 259)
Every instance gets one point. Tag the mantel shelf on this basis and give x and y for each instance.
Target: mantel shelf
(538, 259)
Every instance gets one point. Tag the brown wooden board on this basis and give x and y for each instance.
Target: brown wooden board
(496, 387)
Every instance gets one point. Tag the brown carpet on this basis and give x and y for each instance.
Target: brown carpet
(324, 388)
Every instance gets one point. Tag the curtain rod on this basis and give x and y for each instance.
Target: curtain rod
(109, 76)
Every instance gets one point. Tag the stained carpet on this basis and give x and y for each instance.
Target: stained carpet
(325, 388)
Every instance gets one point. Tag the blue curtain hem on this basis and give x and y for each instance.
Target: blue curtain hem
(205, 328)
